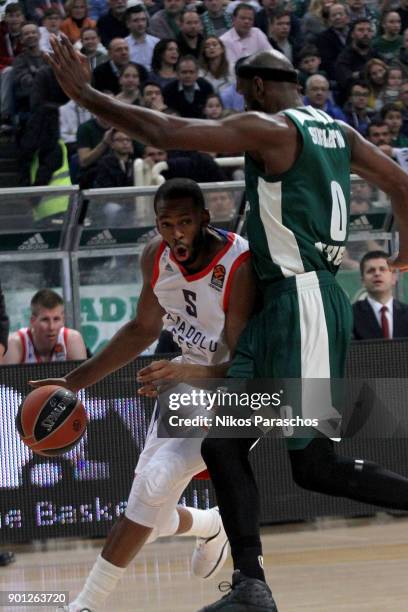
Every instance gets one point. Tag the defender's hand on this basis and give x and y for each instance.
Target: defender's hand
(71, 68)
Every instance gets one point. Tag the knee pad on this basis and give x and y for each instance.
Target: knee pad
(152, 487)
(165, 528)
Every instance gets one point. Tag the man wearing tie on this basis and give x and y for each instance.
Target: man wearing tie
(379, 315)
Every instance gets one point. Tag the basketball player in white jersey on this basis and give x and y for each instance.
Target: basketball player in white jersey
(46, 339)
(194, 280)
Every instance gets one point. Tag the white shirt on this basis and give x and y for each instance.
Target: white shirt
(376, 306)
(141, 52)
(71, 115)
(237, 47)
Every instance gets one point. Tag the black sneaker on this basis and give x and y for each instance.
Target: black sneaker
(246, 595)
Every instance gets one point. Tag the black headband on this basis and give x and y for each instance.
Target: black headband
(248, 71)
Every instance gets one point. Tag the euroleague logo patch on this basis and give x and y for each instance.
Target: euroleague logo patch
(218, 277)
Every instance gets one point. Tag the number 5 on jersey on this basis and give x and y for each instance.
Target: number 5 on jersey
(190, 298)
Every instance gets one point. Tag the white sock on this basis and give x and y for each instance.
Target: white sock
(101, 581)
(206, 523)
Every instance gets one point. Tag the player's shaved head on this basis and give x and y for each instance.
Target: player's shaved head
(269, 59)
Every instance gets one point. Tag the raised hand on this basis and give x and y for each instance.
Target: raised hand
(70, 67)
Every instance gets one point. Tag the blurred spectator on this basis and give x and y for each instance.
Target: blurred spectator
(215, 19)
(152, 96)
(112, 24)
(141, 44)
(97, 8)
(4, 326)
(356, 110)
(90, 42)
(279, 34)
(41, 134)
(378, 133)
(402, 57)
(116, 168)
(10, 34)
(35, 9)
(46, 339)
(77, 18)
(213, 107)
(379, 315)
(375, 74)
(392, 115)
(71, 116)
(190, 38)
(187, 94)
(243, 39)
(10, 47)
(332, 41)
(93, 141)
(106, 75)
(387, 45)
(402, 11)
(51, 24)
(318, 95)
(268, 10)
(393, 82)
(25, 68)
(166, 22)
(309, 64)
(316, 19)
(351, 61)
(214, 64)
(129, 81)
(403, 99)
(199, 167)
(164, 61)
(358, 9)
(221, 205)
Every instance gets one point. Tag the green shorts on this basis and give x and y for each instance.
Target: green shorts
(303, 332)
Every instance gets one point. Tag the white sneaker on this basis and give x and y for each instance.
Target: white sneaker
(210, 553)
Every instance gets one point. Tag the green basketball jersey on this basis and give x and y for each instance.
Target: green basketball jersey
(298, 221)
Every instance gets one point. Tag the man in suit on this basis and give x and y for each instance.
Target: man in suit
(106, 75)
(187, 94)
(379, 315)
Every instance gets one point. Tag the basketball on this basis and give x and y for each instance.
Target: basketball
(51, 420)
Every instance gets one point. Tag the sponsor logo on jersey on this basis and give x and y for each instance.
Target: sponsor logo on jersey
(218, 277)
(332, 252)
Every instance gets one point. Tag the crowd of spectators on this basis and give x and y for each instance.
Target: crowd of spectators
(180, 58)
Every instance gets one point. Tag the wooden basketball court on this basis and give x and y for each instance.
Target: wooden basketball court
(358, 565)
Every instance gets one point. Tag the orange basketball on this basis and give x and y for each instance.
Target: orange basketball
(51, 420)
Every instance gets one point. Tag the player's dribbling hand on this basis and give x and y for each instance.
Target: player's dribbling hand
(70, 67)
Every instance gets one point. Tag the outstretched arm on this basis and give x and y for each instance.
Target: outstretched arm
(248, 131)
(376, 168)
(127, 343)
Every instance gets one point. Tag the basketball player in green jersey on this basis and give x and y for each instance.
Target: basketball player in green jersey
(298, 161)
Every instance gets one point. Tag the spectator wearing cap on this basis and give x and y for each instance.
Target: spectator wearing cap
(10, 47)
(318, 95)
(141, 44)
(216, 21)
(166, 23)
(332, 41)
(188, 93)
(112, 24)
(243, 38)
(352, 60)
(77, 18)
(106, 75)
(190, 39)
(91, 47)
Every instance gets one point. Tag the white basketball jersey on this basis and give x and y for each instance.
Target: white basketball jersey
(196, 304)
(30, 355)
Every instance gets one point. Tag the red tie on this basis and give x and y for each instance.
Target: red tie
(384, 322)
